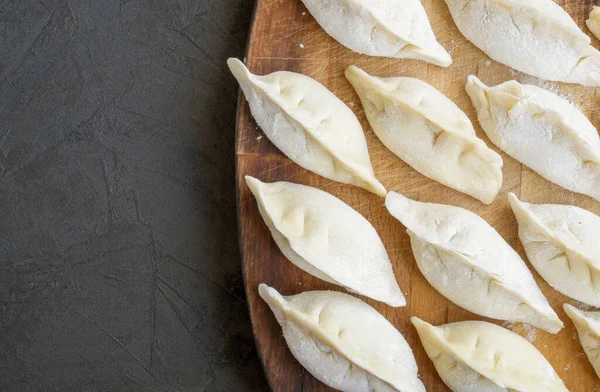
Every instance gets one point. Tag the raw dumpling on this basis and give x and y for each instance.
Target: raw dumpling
(542, 131)
(386, 28)
(475, 356)
(593, 23)
(588, 328)
(310, 125)
(563, 244)
(469, 263)
(325, 237)
(343, 342)
(429, 132)
(537, 37)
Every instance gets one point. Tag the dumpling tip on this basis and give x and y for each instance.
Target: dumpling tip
(353, 73)
(263, 289)
(253, 183)
(378, 188)
(238, 69)
(395, 203)
(569, 309)
(398, 301)
(417, 322)
(275, 301)
(474, 82)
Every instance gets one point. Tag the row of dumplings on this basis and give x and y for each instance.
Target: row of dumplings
(349, 346)
(425, 129)
(463, 257)
(458, 252)
(538, 38)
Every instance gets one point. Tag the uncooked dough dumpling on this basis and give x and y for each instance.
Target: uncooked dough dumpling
(469, 263)
(309, 124)
(343, 342)
(536, 37)
(325, 237)
(475, 356)
(593, 23)
(563, 244)
(542, 131)
(588, 329)
(429, 132)
(386, 28)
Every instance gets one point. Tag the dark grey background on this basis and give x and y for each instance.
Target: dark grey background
(119, 264)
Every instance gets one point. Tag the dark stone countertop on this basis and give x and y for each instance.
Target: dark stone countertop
(119, 262)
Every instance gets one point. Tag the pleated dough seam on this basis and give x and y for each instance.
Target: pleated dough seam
(364, 177)
(473, 140)
(388, 30)
(307, 324)
(531, 11)
(552, 238)
(489, 274)
(522, 101)
(444, 347)
(581, 321)
(264, 208)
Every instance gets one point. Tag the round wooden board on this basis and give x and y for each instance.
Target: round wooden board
(285, 36)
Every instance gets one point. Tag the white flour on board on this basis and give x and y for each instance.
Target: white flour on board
(574, 99)
(529, 332)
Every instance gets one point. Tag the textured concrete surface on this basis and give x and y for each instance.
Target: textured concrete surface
(119, 264)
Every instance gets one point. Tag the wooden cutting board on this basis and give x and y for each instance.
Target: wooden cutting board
(284, 36)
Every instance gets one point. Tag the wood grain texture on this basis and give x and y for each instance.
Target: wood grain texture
(279, 27)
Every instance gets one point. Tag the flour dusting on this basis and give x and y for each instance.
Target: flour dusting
(581, 305)
(528, 331)
(574, 99)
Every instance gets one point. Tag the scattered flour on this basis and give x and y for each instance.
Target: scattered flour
(304, 13)
(508, 324)
(488, 62)
(259, 137)
(301, 46)
(581, 305)
(351, 104)
(454, 47)
(576, 99)
(529, 332)
(568, 366)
